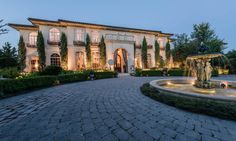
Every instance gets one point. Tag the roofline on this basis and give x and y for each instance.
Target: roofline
(62, 22)
(22, 26)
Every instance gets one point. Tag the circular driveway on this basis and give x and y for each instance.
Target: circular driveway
(109, 110)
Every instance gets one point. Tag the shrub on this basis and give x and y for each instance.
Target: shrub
(9, 72)
(17, 85)
(7, 87)
(218, 108)
(72, 77)
(105, 74)
(176, 72)
(215, 72)
(51, 70)
(149, 73)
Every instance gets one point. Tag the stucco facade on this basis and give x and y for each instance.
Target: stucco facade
(127, 39)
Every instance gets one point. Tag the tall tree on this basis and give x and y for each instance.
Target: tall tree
(231, 55)
(41, 51)
(22, 53)
(88, 50)
(8, 56)
(64, 51)
(168, 52)
(202, 33)
(102, 47)
(144, 53)
(2, 29)
(157, 52)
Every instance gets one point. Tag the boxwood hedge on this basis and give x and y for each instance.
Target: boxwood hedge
(11, 87)
(217, 108)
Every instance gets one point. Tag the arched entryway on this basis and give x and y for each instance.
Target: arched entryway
(121, 60)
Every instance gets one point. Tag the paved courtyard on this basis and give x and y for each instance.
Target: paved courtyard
(109, 110)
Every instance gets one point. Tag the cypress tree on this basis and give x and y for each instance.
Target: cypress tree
(22, 53)
(157, 52)
(63, 50)
(144, 53)
(102, 47)
(41, 51)
(88, 50)
(168, 52)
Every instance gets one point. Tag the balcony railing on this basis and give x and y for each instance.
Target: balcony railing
(149, 46)
(138, 46)
(55, 43)
(95, 43)
(31, 45)
(79, 43)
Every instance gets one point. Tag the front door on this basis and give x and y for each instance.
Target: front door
(120, 61)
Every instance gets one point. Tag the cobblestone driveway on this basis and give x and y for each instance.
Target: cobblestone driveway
(109, 110)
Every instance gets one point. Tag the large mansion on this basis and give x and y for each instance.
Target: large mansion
(123, 45)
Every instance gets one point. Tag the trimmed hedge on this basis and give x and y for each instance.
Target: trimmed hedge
(17, 85)
(171, 72)
(9, 72)
(176, 72)
(149, 73)
(217, 108)
(102, 75)
(66, 78)
(11, 86)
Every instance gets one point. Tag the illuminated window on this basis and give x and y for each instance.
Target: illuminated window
(33, 38)
(34, 65)
(95, 59)
(55, 60)
(54, 35)
(80, 60)
(79, 35)
(149, 60)
(138, 60)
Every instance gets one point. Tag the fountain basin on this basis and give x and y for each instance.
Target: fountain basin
(186, 87)
(205, 101)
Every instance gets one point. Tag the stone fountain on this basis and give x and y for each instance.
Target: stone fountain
(201, 85)
(200, 66)
(200, 94)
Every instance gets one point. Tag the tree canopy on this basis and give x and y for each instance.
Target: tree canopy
(8, 56)
(2, 29)
(185, 45)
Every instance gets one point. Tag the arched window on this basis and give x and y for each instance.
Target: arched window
(33, 38)
(55, 60)
(54, 35)
(80, 60)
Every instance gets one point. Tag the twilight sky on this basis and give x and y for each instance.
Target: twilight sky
(172, 16)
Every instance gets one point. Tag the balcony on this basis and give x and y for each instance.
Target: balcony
(138, 46)
(54, 43)
(149, 46)
(31, 45)
(95, 43)
(79, 43)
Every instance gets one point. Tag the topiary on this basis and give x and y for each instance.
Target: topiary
(51, 70)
